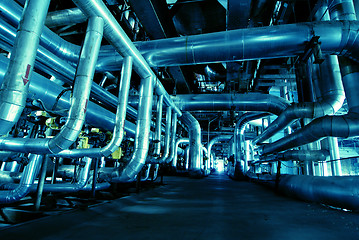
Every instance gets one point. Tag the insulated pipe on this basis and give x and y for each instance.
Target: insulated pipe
(239, 140)
(118, 130)
(195, 152)
(330, 101)
(236, 102)
(28, 176)
(13, 91)
(79, 101)
(175, 151)
(46, 90)
(65, 17)
(173, 137)
(158, 129)
(337, 38)
(216, 140)
(167, 135)
(115, 35)
(297, 155)
(139, 155)
(54, 65)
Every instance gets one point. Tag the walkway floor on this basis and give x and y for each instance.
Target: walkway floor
(211, 208)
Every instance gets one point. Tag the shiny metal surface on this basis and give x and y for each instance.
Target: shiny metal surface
(118, 130)
(173, 137)
(175, 151)
(167, 135)
(28, 176)
(13, 91)
(139, 155)
(298, 155)
(237, 102)
(158, 130)
(64, 17)
(214, 141)
(195, 144)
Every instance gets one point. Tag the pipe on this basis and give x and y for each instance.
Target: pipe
(13, 91)
(158, 129)
(330, 92)
(65, 17)
(175, 151)
(46, 90)
(173, 137)
(241, 163)
(195, 152)
(123, 45)
(297, 155)
(331, 100)
(79, 101)
(334, 156)
(236, 102)
(167, 135)
(28, 176)
(139, 155)
(337, 38)
(55, 66)
(216, 140)
(118, 130)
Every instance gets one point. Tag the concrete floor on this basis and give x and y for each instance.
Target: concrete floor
(211, 208)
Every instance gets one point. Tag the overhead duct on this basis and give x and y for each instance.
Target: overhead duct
(336, 37)
(195, 143)
(13, 90)
(175, 151)
(236, 102)
(79, 101)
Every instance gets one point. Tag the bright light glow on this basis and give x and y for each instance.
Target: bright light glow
(220, 166)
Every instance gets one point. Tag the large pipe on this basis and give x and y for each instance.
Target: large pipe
(139, 155)
(330, 101)
(65, 17)
(173, 138)
(158, 129)
(118, 131)
(123, 45)
(195, 152)
(237, 102)
(13, 91)
(79, 101)
(46, 90)
(175, 151)
(297, 155)
(28, 176)
(167, 135)
(337, 38)
(216, 140)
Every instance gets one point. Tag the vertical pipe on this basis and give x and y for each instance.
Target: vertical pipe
(40, 185)
(14, 89)
(334, 156)
(167, 135)
(173, 137)
(158, 129)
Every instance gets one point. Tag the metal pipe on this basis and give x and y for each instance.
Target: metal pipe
(158, 130)
(297, 155)
(118, 130)
(334, 156)
(167, 135)
(337, 38)
(28, 176)
(241, 163)
(123, 45)
(79, 101)
(65, 17)
(195, 152)
(139, 155)
(13, 91)
(236, 102)
(175, 151)
(173, 138)
(216, 140)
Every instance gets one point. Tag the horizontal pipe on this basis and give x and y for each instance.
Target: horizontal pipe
(297, 155)
(64, 17)
(237, 102)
